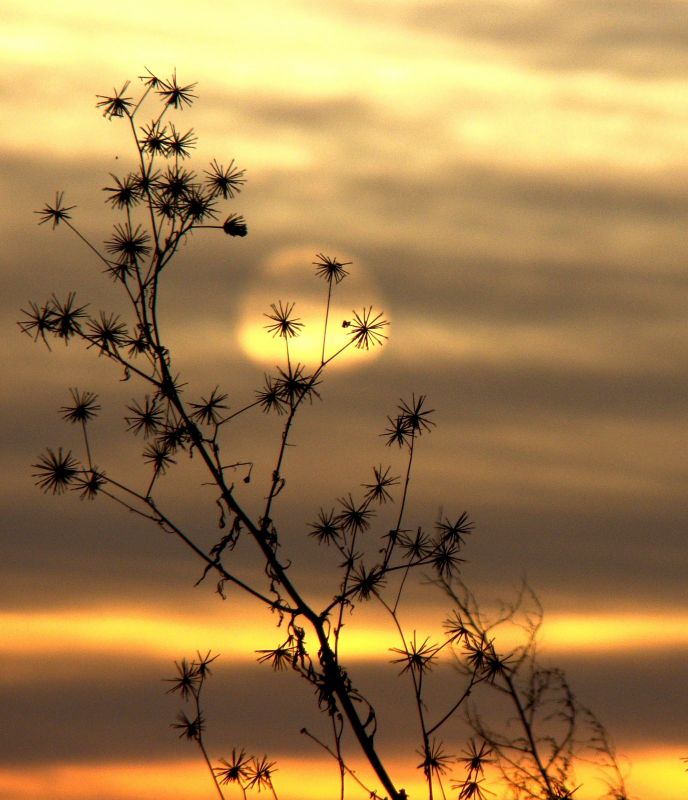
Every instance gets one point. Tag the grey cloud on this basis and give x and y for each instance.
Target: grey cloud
(346, 114)
(117, 708)
(634, 38)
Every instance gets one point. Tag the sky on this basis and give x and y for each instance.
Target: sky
(508, 179)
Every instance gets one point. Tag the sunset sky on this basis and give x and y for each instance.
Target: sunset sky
(509, 179)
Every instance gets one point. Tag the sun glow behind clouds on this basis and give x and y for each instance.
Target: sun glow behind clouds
(288, 276)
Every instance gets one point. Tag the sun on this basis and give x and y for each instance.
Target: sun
(289, 277)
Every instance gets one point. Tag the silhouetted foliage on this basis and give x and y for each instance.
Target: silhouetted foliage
(162, 203)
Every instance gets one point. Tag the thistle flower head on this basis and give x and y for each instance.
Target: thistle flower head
(155, 140)
(159, 455)
(417, 546)
(270, 396)
(330, 268)
(175, 182)
(366, 329)
(435, 760)
(84, 407)
(235, 225)
(418, 658)
(90, 484)
(260, 773)
(191, 729)
(128, 244)
(187, 680)
(181, 144)
(56, 472)
(225, 182)
(234, 770)
(66, 317)
(115, 105)
(326, 529)
(454, 532)
(38, 322)
(378, 490)
(126, 192)
(294, 385)
(365, 582)
(55, 213)
(280, 659)
(207, 411)
(146, 419)
(107, 333)
(175, 95)
(150, 79)
(353, 518)
(415, 415)
(196, 205)
(284, 323)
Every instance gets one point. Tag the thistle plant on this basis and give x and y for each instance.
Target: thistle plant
(162, 203)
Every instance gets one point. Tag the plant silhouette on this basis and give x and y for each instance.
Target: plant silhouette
(161, 203)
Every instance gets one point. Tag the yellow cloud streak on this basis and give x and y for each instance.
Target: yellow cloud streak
(479, 100)
(108, 630)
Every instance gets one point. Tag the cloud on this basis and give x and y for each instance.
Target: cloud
(122, 702)
(632, 38)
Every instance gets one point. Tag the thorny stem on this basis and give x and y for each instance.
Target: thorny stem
(88, 449)
(276, 474)
(417, 691)
(165, 522)
(390, 544)
(467, 691)
(199, 740)
(86, 242)
(527, 727)
(327, 316)
(237, 413)
(140, 101)
(337, 734)
(145, 172)
(342, 597)
(373, 795)
(510, 689)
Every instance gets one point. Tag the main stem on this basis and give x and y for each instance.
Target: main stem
(333, 674)
(328, 659)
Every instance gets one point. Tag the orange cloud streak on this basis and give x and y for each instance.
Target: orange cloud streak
(656, 774)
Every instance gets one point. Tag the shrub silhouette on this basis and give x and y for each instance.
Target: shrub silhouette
(162, 202)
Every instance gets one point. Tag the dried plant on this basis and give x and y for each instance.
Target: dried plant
(162, 202)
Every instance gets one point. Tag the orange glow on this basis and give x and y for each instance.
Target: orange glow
(659, 773)
(185, 779)
(656, 774)
(161, 634)
(118, 630)
(607, 632)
